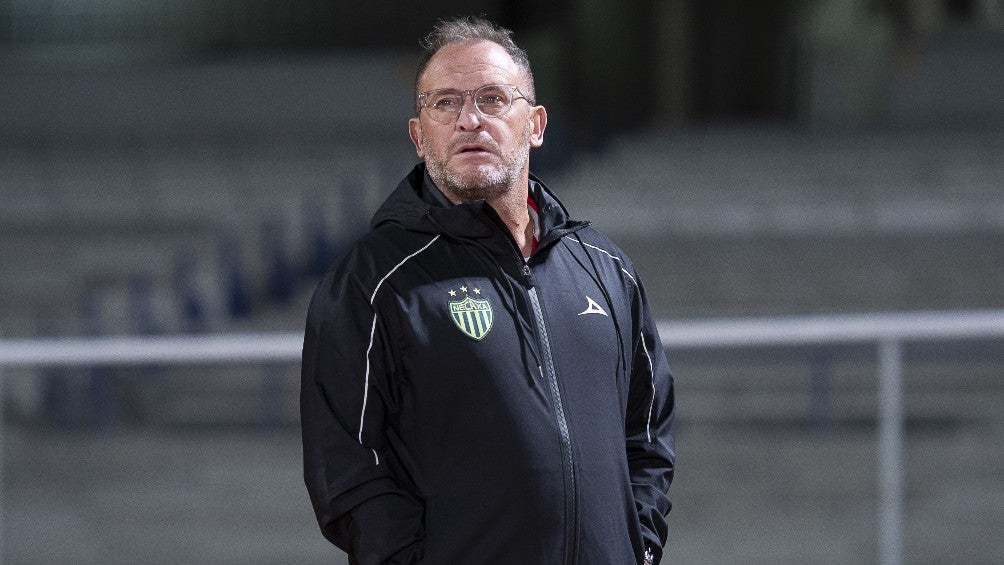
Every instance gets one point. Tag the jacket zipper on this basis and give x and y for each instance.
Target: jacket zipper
(567, 461)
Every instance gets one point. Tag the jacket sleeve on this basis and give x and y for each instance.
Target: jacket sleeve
(650, 414)
(360, 505)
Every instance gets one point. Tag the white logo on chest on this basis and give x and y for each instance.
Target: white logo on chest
(593, 308)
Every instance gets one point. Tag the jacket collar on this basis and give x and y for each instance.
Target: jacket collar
(418, 205)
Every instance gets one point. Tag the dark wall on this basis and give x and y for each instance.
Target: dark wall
(742, 57)
(600, 64)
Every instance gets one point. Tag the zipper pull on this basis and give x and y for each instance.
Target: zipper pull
(527, 276)
(649, 557)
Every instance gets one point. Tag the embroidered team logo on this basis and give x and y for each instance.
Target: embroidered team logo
(473, 316)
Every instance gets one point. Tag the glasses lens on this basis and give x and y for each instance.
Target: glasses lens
(443, 105)
(492, 99)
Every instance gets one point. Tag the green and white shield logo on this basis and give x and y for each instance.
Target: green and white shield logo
(473, 317)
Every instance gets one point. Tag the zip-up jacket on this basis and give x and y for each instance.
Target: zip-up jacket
(462, 404)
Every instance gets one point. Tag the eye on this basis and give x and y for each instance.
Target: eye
(493, 97)
(446, 102)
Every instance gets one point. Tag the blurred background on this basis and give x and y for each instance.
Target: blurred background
(192, 167)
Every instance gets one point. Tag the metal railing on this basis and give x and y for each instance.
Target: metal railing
(888, 331)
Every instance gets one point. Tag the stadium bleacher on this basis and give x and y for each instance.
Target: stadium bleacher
(183, 222)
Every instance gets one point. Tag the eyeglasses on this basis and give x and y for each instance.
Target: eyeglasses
(445, 104)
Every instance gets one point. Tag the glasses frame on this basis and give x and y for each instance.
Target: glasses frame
(464, 95)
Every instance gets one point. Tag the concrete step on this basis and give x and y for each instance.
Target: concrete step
(742, 494)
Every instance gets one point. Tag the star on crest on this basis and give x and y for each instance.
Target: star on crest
(477, 291)
(463, 288)
(453, 292)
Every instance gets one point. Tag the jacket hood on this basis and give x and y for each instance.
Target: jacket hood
(418, 205)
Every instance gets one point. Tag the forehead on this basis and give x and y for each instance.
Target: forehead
(469, 65)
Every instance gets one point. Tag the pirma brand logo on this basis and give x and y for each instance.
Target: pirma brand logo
(593, 308)
(471, 316)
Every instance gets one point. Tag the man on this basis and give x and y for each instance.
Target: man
(482, 378)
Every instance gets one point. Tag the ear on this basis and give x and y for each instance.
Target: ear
(415, 133)
(538, 121)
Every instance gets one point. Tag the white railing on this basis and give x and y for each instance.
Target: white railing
(887, 331)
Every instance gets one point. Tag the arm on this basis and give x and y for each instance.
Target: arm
(650, 445)
(360, 504)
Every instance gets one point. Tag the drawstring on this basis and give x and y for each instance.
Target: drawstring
(511, 308)
(509, 304)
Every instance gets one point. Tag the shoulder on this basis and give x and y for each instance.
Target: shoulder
(604, 251)
(373, 258)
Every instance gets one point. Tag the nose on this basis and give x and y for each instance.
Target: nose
(469, 118)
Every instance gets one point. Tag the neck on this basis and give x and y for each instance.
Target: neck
(511, 208)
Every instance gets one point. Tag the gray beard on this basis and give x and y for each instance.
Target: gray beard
(480, 185)
(477, 186)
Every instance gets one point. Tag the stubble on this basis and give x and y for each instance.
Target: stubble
(485, 181)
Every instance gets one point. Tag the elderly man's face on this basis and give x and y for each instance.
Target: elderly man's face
(477, 156)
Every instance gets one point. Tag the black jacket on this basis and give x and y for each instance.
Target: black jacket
(462, 405)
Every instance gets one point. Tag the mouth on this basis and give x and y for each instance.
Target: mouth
(472, 149)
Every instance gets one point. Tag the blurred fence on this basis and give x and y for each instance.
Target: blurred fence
(888, 333)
